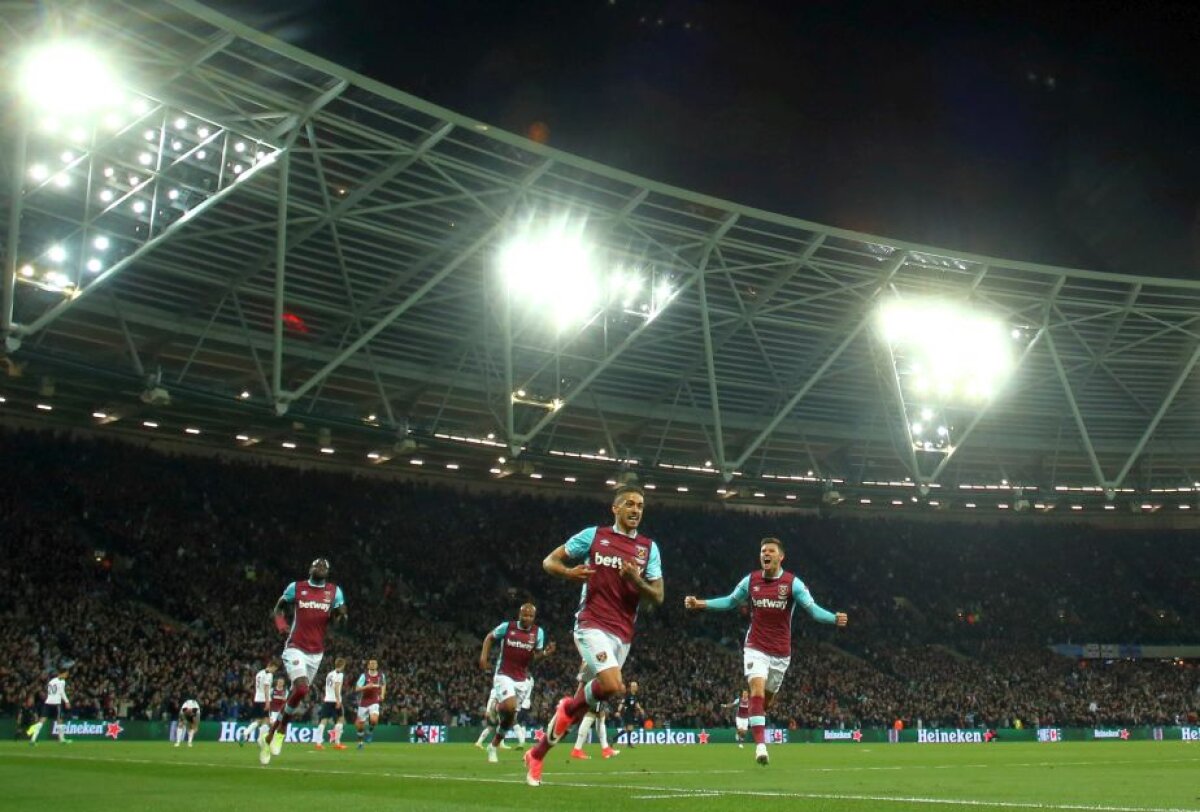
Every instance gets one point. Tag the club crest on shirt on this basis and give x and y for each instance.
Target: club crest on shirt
(783, 591)
(601, 656)
(640, 553)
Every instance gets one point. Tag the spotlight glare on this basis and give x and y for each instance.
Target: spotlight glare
(552, 267)
(68, 78)
(56, 253)
(101, 243)
(93, 265)
(39, 172)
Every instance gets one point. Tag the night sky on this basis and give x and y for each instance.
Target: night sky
(1066, 133)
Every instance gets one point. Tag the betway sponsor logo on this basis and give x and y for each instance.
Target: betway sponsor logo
(322, 605)
(613, 561)
(949, 737)
(1100, 733)
(519, 644)
(1190, 734)
(843, 735)
(236, 732)
(770, 603)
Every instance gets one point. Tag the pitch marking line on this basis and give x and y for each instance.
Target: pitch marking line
(688, 792)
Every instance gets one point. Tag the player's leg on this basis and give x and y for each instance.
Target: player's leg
(322, 721)
(360, 725)
(603, 656)
(36, 728)
(602, 731)
(489, 718)
(62, 727)
(191, 734)
(372, 720)
(505, 691)
(180, 727)
(338, 727)
(585, 727)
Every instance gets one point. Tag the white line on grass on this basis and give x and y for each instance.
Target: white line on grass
(688, 792)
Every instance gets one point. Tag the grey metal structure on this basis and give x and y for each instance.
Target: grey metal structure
(328, 245)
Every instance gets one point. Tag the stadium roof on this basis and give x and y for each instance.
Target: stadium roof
(280, 226)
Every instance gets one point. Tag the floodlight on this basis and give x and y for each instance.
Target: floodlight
(101, 243)
(553, 268)
(68, 78)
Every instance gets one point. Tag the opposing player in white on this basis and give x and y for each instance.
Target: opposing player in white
(188, 721)
(52, 708)
(262, 702)
(332, 707)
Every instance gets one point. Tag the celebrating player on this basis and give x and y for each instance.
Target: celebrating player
(332, 707)
(52, 708)
(631, 715)
(520, 643)
(773, 593)
(371, 689)
(188, 721)
(275, 704)
(619, 568)
(262, 702)
(314, 601)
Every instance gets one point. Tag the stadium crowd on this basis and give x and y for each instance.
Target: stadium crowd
(154, 575)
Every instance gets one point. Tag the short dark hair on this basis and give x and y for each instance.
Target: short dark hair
(624, 489)
(772, 540)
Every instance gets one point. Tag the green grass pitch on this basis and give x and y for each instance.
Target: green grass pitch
(1103, 777)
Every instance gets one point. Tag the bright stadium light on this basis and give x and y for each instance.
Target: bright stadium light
(68, 78)
(957, 353)
(553, 267)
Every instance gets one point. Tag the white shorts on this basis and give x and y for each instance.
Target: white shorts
(367, 711)
(301, 664)
(764, 665)
(600, 651)
(274, 716)
(504, 687)
(528, 700)
(742, 723)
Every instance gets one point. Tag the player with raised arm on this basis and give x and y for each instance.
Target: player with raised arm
(314, 602)
(520, 644)
(371, 689)
(262, 702)
(332, 707)
(618, 568)
(188, 721)
(52, 708)
(773, 594)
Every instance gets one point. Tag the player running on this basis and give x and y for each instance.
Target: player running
(332, 708)
(371, 689)
(597, 718)
(262, 701)
(773, 594)
(52, 708)
(314, 602)
(520, 644)
(619, 568)
(188, 721)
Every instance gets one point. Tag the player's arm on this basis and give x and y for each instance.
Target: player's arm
(648, 580)
(739, 595)
(803, 597)
(338, 696)
(485, 653)
(542, 650)
(558, 563)
(340, 616)
(278, 614)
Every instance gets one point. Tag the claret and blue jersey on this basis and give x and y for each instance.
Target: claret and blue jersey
(609, 602)
(772, 603)
(313, 604)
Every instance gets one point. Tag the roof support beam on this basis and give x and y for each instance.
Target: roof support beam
(416, 296)
(710, 363)
(16, 201)
(1097, 471)
(820, 371)
(1158, 416)
(281, 211)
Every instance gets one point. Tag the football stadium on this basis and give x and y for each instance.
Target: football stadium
(348, 438)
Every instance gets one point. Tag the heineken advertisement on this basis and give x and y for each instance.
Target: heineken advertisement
(234, 732)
